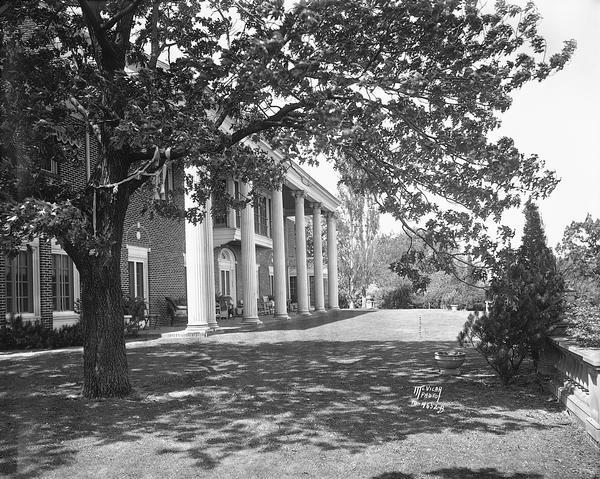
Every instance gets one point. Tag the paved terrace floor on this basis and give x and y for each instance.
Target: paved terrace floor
(320, 397)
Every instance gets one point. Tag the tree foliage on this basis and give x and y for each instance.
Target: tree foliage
(358, 227)
(579, 258)
(445, 289)
(403, 92)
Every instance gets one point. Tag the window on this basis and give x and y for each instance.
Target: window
(49, 164)
(293, 289)
(225, 283)
(136, 279)
(50, 151)
(226, 265)
(137, 267)
(62, 283)
(19, 283)
(270, 215)
(220, 209)
(261, 220)
(169, 181)
(238, 214)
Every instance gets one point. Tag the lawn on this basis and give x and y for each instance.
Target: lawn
(329, 396)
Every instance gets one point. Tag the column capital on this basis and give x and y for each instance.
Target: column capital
(315, 205)
(299, 193)
(330, 215)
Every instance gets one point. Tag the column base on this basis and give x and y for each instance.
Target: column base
(320, 310)
(191, 333)
(281, 316)
(334, 308)
(214, 326)
(304, 313)
(252, 321)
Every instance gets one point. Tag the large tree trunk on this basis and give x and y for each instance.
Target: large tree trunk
(104, 360)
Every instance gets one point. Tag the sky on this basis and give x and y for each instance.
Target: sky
(559, 119)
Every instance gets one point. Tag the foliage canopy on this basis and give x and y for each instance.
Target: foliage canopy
(404, 92)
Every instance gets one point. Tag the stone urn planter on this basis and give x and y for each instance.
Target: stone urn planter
(449, 362)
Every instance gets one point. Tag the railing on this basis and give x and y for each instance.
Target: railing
(575, 376)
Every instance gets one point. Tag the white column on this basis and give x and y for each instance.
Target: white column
(279, 278)
(318, 259)
(211, 302)
(198, 280)
(250, 288)
(301, 271)
(332, 274)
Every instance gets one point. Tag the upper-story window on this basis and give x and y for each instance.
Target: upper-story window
(50, 165)
(49, 152)
(262, 216)
(219, 208)
(238, 213)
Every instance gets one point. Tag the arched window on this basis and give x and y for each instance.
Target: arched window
(226, 264)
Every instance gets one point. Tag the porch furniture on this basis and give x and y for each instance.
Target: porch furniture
(225, 307)
(176, 311)
(261, 306)
(269, 305)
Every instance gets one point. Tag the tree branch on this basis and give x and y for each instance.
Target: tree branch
(110, 23)
(265, 124)
(92, 18)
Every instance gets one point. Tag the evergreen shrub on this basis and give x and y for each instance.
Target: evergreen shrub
(527, 302)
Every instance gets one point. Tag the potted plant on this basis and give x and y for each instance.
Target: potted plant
(449, 362)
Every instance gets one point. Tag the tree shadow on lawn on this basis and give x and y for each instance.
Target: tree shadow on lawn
(463, 473)
(211, 400)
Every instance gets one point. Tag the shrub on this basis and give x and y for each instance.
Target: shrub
(398, 298)
(527, 302)
(445, 289)
(342, 301)
(19, 334)
(503, 344)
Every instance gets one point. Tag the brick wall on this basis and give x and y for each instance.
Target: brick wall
(2, 287)
(165, 239)
(46, 268)
(74, 172)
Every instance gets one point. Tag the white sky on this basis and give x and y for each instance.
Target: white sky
(559, 119)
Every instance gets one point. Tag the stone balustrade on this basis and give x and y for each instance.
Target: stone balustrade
(575, 380)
